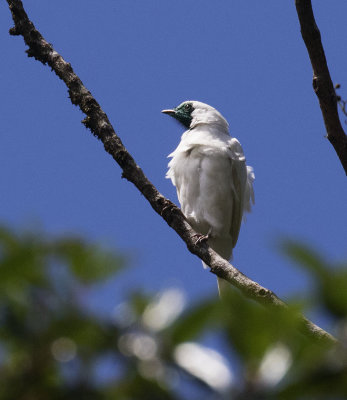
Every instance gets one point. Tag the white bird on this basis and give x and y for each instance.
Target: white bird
(214, 184)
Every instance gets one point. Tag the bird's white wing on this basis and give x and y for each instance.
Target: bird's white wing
(238, 184)
(184, 174)
(242, 182)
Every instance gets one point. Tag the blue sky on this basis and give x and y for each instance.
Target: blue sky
(137, 57)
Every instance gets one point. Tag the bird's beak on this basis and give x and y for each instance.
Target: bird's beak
(169, 112)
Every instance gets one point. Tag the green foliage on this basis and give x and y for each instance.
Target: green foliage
(330, 279)
(41, 317)
(152, 348)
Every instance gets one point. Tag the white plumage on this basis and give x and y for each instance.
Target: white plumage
(208, 168)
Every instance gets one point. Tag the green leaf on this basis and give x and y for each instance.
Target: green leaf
(306, 257)
(89, 263)
(192, 324)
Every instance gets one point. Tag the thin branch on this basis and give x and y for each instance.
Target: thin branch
(322, 83)
(97, 121)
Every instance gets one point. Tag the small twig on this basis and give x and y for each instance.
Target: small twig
(322, 83)
(342, 103)
(97, 121)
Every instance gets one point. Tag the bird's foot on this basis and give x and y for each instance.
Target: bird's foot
(200, 238)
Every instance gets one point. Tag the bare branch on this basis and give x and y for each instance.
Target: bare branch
(322, 83)
(97, 121)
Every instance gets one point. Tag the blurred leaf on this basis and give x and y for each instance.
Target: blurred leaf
(330, 280)
(252, 329)
(333, 292)
(306, 257)
(21, 259)
(89, 263)
(135, 387)
(322, 384)
(196, 320)
(139, 302)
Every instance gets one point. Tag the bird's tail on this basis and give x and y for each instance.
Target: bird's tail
(223, 287)
(222, 247)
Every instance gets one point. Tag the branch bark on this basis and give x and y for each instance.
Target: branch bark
(97, 121)
(322, 83)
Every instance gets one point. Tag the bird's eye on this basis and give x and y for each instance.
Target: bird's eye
(188, 107)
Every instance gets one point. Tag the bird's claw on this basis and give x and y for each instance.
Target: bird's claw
(200, 238)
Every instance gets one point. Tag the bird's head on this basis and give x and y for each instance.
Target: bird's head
(183, 113)
(192, 113)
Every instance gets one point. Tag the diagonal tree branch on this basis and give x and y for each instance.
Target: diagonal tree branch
(97, 121)
(322, 84)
